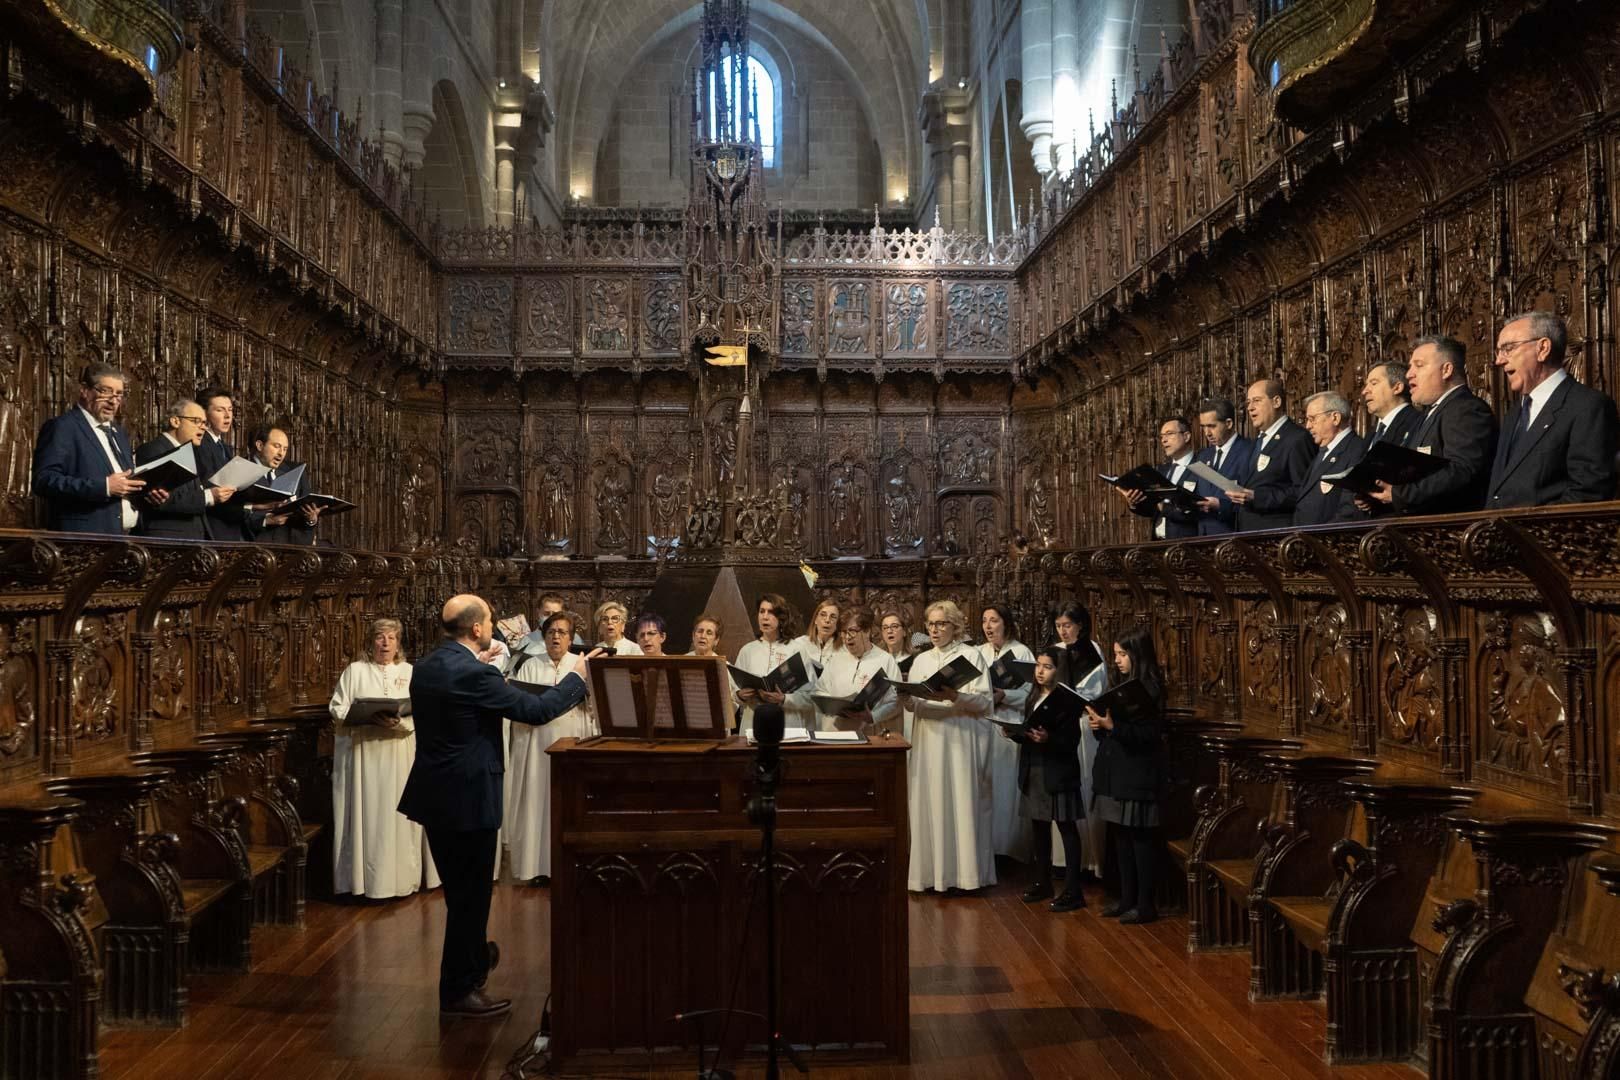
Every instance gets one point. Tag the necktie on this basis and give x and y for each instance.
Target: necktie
(1220, 456)
(1378, 432)
(118, 451)
(1520, 426)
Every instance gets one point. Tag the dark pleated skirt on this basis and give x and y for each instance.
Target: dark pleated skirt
(1131, 813)
(1038, 804)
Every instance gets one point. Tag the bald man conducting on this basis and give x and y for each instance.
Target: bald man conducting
(454, 789)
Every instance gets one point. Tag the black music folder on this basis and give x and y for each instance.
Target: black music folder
(377, 711)
(956, 674)
(1153, 484)
(787, 676)
(870, 694)
(178, 466)
(1008, 673)
(1394, 465)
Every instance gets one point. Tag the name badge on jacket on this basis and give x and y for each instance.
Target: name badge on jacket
(1261, 462)
(1190, 485)
(1327, 488)
(1425, 449)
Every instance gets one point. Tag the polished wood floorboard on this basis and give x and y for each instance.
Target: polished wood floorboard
(998, 990)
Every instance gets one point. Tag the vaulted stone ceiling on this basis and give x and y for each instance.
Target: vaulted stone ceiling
(589, 49)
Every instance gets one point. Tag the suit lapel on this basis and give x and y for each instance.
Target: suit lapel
(1540, 426)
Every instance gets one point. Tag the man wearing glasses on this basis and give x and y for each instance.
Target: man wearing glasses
(183, 514)
(83, 461)
(1558, 439)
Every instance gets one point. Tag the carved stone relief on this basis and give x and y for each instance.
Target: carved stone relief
(548, 318)
(19, 731)
(480, 315)
(1525, 733)
(1412, 685)
(661, 316)
(1327, 668)
(906, 319)
(850, 318)
(977, 318)
(1262, 662)
(607, 315)
(798, 318)
(97, 675)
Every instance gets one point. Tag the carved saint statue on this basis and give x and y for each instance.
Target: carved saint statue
(846, 503)
(668, 498)
(902, 506)
(169, 670)
(16, 695)
(1039, 517)
(556, 507)
(93, 690)
(15, 454)
(612, 501)
(723, 438)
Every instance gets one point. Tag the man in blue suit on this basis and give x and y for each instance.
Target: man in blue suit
(455, 787)
(1229, 454)
(83, 462)
(1558, 443)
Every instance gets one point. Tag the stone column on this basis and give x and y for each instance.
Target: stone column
(1035, 27)
(387, 97)
(1065, 102)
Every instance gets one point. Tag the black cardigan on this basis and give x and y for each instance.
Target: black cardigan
(1131, 761)
(1059, 754)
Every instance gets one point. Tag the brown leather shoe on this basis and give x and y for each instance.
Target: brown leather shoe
(475, 1006)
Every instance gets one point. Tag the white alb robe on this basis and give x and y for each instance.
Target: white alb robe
(376, 850)
(528, 776)
(845, 676)
(623, 647)
(760, 657)
(1012, 835)
(950, 797)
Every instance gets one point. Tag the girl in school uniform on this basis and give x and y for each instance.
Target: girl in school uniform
(1049, 776)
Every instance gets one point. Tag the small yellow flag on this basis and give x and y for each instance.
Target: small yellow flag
(810, 575)
(728, 355)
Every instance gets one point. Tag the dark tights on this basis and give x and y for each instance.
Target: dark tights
(1138, 858)
(1071, 851)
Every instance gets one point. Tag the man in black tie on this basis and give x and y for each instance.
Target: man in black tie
(1395, 420)
(1327, 418)
(455, 787)
(1282, 457)
(1170, 522)
(213, 452)
(1560, 442)
(1458, 427)
(1229, 454)
(183, 514)
(83, 463)
(262, 522)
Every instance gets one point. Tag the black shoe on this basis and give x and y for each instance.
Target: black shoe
(475, 1006)
(541, 882)
(1069, 901)
(1041, 890)
(494, 962)
(1115, 910)
(1138, 918)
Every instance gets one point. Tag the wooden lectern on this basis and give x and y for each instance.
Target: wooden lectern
(655, 863)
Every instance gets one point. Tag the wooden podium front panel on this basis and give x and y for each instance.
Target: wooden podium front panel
(654, 869)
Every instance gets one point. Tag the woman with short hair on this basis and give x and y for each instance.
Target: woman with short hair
(611, 620)
(848, 672)
(376, 851)
(1001, 643)
(948, 792)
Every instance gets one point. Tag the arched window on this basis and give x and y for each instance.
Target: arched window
(762, 91)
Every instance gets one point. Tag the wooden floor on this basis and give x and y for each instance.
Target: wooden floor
(998, 989)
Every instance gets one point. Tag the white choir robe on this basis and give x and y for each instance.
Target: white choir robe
(1012, 835)
(845, 676)
(1093, 830)
(528, 776)
(760, 657)
(801, 709)
(623, 647)
(376, 850)
(949, 792)
(906, 715)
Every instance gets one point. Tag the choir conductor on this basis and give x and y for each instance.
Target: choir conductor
(455, 787)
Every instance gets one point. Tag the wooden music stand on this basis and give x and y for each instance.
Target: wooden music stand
(661, 697)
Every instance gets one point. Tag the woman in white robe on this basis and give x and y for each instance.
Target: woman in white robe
(610, 627)
(1012, 838)
(949, 795)
(820, 642)
(1090, 675)
(847, 673)
(896, 641)
(377, 852)
(706, 631)
(773, 618)
(528, 777)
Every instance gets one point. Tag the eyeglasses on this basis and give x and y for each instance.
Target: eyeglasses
(105, 394)
(938, 624)
(193, 419)
(1508, 346)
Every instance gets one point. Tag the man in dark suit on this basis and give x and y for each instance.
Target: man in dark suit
(263, 523)
(1282, 456)
(455, 787)
(183, 515)
(1458, 427)
(1229, 454)
(1170, 522)
(1394, 420)
(1327, 418)
(225, 520)
(83, 462)
(1559, 442)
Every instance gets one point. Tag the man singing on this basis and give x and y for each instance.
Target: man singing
(455, 789)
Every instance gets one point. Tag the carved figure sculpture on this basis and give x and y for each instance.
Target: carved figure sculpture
(1039, 515)
(612, 500)
(16, 694)
(557, 507)
(902, 506)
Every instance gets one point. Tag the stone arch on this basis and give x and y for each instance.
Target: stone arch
(449, 175)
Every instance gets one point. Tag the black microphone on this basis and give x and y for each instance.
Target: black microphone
(769, 723)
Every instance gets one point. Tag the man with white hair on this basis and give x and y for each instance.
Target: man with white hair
(1327, 418)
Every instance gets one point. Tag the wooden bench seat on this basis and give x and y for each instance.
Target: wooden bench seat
(1307, 918)
(258, 776)
(198, 894)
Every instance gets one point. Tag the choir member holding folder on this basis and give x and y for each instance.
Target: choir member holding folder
(1130, 771)
(1088, 675)
(376, 851)
(528, 780)
(773, 619)
(853, 691)
(176, 501)
(952, 825)
(821, 639)
(1011, 668)
(1047, 736)
(895, 639)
